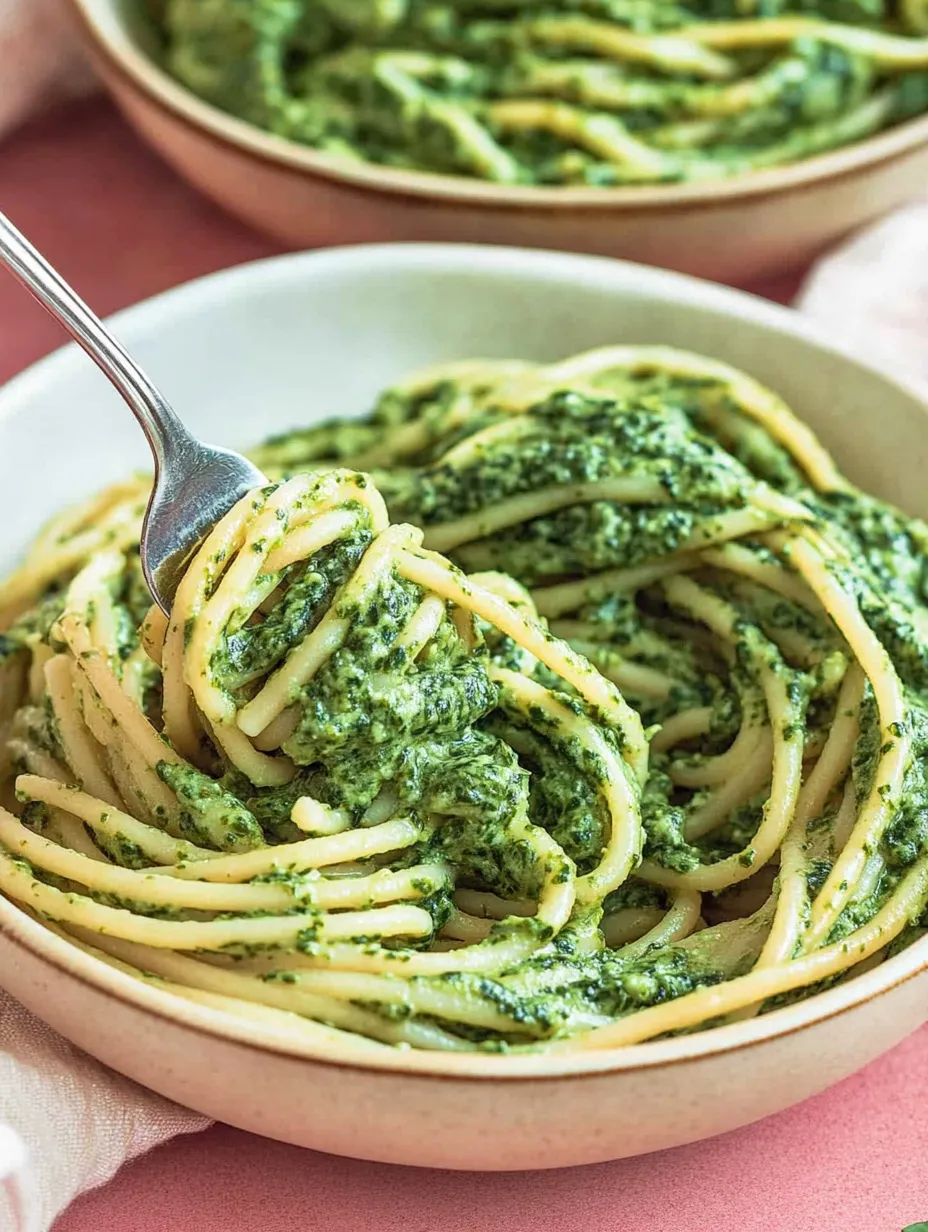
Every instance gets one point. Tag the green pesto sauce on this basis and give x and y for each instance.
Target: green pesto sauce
(424, 84)
(252, 652)
(472, 766)
(692, 435)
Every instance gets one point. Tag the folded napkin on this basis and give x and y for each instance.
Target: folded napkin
(872, 294)
(41, 61)
(66, 1122)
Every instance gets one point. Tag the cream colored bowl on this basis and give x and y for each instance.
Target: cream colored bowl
(734, 231)
(284, 342)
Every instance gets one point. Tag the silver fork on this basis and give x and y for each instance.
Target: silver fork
(195, 484)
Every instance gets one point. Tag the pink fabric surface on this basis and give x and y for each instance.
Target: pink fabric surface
(122, 227)
(851, 1160)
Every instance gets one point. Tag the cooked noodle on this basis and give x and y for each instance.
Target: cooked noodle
(645, 755)
(594, 93)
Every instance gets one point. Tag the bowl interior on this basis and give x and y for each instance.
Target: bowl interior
(293, 340)
(289, 341)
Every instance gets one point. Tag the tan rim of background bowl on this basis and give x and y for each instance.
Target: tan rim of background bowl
(109, 39)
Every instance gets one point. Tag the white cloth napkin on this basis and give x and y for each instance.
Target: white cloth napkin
(872, 293)
(40, 62)
(66, 1123)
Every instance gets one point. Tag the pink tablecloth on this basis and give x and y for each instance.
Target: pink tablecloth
(852, 1160)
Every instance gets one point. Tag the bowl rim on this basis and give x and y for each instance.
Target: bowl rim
(117, 53)
(248, 281)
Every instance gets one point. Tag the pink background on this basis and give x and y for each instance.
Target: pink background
(122, 227)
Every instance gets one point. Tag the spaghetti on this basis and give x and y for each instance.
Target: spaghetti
(568, 92)
(666, 770)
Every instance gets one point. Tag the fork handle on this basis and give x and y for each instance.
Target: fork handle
(165, 433)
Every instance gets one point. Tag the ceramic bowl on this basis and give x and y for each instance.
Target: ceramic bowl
(283, 342)
(734, 231)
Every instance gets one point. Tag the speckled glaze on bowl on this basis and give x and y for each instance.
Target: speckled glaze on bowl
(734, 231)
(265, 347)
